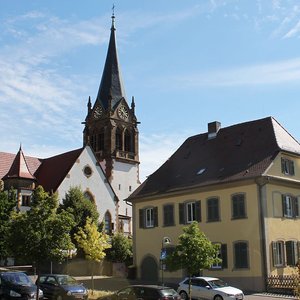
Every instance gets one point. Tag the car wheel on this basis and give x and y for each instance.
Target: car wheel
(218, 297)
(184, 295)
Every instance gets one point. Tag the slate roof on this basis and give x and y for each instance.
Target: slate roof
(238, 152)
(49, 172)
(111, 83)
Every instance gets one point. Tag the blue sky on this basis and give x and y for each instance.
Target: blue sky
(187, 63)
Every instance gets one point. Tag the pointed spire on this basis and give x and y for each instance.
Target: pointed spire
(19, 167)
(111, 82)
(133, 105)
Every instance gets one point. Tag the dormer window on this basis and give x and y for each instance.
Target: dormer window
(287, 166)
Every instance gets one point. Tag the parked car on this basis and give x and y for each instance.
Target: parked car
(61, 287)
(209, 288)
(18, 286)
(144, 292)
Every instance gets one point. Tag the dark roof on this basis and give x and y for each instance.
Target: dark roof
(111, 83)
(54, 169)
(49, 172)
(237, 152)
(19, 168)
(7, 159)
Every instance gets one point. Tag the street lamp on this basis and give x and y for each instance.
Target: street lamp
(163, 254)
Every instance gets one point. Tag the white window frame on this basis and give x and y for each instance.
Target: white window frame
(149, 217)
(278, 254)
(190, 212)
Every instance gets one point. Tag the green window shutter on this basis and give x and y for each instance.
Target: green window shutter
(282, 165)
(224, 256)
(296, 207)
(291, 167)
(141, 218)
(198, 211)
(155, 216)
(181, 213)
(283, 206)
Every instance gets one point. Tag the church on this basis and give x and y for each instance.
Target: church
(106, 168)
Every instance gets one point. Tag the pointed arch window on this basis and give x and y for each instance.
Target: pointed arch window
(100, 140)
(108, 223)
(88, 196)
(119, 144)
(128, 141)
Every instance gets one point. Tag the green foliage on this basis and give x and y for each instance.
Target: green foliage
(7, 205)
(92, 241)
(41, 234)
(194, 252)
(121, 249)
(81, 208)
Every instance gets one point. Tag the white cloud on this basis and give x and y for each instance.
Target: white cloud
(155, 149)
(264, 74)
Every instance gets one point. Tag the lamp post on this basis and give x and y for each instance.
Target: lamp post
(163, 254)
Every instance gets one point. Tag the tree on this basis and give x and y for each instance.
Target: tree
(121, 249)
(93, 243)
(8, 204)
(40, 234)
(194, 252)
(80, 207)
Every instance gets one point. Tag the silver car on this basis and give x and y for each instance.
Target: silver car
(209, 288)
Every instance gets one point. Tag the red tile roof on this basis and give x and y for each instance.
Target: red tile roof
(49, 172)
(241, 151)
(54, 169)
(19, 168)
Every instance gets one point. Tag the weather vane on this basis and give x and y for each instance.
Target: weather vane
(113, 10)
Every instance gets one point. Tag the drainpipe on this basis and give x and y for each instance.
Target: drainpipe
(261, 184)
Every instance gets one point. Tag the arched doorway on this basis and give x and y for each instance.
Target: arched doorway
(149, 269)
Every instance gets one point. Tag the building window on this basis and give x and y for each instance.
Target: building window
(169, 215)
(213, 210)
(189, 212)
(26, 200)
(223, 256)
(119, 144)
(278, 253)
(148, 217)
(291, 248)
(238, 206)
(87, 170)
(107, 222)
(100, 141)
(241, 255)
(290, 206)
(89, 196)
(287, 166)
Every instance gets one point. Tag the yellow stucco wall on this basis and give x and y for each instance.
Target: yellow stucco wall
(263, 198)
(225, 231)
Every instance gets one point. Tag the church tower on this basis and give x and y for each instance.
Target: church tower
(111, 131)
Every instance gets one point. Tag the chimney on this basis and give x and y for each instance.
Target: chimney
(213, 129)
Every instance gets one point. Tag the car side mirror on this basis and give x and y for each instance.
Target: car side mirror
(208, 287)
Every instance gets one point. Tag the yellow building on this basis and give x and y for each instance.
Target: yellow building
(242, 185)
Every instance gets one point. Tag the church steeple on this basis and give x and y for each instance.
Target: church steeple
(111, 83)
(111, 124)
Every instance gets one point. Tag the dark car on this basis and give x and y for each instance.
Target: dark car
(144, 292)
(61, 287)
(18, 286)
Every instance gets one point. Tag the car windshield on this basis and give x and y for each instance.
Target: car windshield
(17, 278)
(217, 283)
(66, 279)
